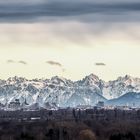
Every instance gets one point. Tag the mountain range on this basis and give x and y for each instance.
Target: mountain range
(62, 92)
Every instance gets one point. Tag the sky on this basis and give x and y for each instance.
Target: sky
(44, 38)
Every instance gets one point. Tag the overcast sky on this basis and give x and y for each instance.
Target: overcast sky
(43, 38)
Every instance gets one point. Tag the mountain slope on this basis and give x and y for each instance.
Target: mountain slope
(129, 99)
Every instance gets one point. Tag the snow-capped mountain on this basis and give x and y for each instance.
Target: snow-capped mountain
(58, 90)
(62, 92)
(121, 86)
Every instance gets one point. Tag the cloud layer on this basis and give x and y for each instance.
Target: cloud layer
(54, 10)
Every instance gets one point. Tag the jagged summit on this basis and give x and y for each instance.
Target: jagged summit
(61, 81)
(91, 80)
(127, 79)
(120, 86)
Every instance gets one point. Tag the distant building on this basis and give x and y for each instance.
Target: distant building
(84, 107)
(14, 105)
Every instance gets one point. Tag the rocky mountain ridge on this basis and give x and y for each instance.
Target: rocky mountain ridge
(63, 92)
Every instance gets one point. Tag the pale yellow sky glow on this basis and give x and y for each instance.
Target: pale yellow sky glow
(76, 46)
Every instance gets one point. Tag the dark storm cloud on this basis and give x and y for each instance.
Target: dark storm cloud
(22, 62)
(54, 63)
(17, 12)
(100, 64)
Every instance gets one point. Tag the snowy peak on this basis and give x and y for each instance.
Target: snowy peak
(91, 80)
(129, 80)
(14, 80)
(61, 81)
(121, 86)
